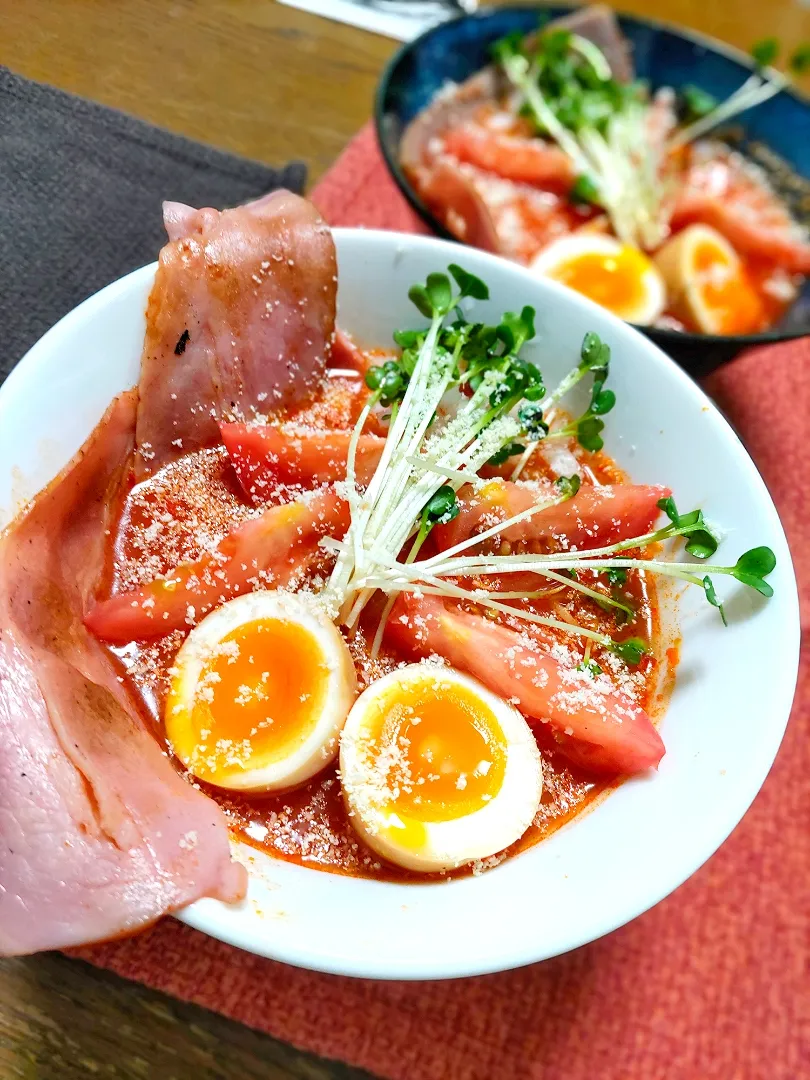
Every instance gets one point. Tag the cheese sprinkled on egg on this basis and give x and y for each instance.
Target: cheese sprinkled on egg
(437, 771)
(260, 692)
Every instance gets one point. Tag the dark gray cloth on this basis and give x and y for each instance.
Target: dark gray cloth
(80, 193)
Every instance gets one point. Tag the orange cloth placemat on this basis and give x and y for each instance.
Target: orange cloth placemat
(712, 984)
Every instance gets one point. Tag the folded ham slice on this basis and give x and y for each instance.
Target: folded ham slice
(99, 836)
(239, 321)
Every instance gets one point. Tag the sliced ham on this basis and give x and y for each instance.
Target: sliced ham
(99, 836)
(239, 322)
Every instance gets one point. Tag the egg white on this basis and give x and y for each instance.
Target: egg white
(567, 248)
(443, 844)
(320, 745)
(676, 262)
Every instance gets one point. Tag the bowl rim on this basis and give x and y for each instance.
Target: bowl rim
(697, 37)
(204, 914)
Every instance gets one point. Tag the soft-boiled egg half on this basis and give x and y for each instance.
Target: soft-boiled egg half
(619, 277)
(708, 285)
(260, 690)
(436, 770)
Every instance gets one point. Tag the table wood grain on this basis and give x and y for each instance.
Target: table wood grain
(273, 83)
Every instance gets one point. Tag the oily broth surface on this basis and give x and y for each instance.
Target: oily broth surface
(187, 508)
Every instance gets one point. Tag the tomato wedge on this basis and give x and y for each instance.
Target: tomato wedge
(594, 517)
(524, 160)
(617, 735)
(265, 457)
(265, 550)
(345, 354)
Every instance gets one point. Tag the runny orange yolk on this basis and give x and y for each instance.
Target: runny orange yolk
(614, 281)
(733, 305)
(450, 751)
(257, 699)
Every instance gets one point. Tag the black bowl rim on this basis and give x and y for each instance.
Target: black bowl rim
(730, 52)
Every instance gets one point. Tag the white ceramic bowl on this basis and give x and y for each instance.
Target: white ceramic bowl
(725, 719)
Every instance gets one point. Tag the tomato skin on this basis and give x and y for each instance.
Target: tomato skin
(594, 517)
(523, 160)
(265, 457)
(279, 542)
(607, 731)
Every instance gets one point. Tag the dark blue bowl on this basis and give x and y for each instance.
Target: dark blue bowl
(663, 55)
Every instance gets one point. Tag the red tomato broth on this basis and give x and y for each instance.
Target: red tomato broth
(189, 506)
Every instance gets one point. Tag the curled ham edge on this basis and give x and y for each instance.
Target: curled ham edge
(99, 835)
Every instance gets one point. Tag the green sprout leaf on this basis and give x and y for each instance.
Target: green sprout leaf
(442, 506)
(668, 507)
(530, 416)
(418, 296)
(568, 486)
(389, 379)
(711, 596)
(502, 455)
(506, 47)
(602, 401)
(617, 577)
(799, 62)
(591, 667)
(440, 293)
(515, 330)
(765, 52)
(753, 567)
(408, 339)
(700, 540)
(374, 378)
(585, 191)
(595, 354)
(695, 103)
(468, 283)
(630, 650)
(589, 433)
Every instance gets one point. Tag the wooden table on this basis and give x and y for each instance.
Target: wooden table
(272, 83)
